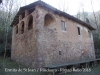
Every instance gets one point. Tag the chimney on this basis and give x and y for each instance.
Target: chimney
(87, 20)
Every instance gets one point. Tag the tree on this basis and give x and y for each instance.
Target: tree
(7, 12)
(62, 5)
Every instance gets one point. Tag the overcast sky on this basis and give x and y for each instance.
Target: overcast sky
(72, 6)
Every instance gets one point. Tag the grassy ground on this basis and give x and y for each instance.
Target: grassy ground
(94, 71)
(9, 64)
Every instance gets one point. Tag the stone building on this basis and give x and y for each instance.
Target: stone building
(43, 35)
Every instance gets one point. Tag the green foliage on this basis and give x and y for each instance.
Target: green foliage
(2, 39)
(5, 29)
(8, 10)
(96, 41)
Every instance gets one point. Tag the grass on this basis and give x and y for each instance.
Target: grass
(94, 71)
(9, 64)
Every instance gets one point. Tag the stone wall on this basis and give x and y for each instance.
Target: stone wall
(73, 47)
(24, 48)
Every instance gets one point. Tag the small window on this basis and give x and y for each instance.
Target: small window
(22, 30)
(63, 26)
(60, 52)
(89, 33)
(78, 30)
(16, 29)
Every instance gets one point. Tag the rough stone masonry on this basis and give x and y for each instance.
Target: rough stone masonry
(43, 35)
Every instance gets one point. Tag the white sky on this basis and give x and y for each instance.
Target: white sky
(72, 6)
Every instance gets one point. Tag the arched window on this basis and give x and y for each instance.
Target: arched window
(30, 23)
(48, 20)
(22, 27)
(16, 29)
